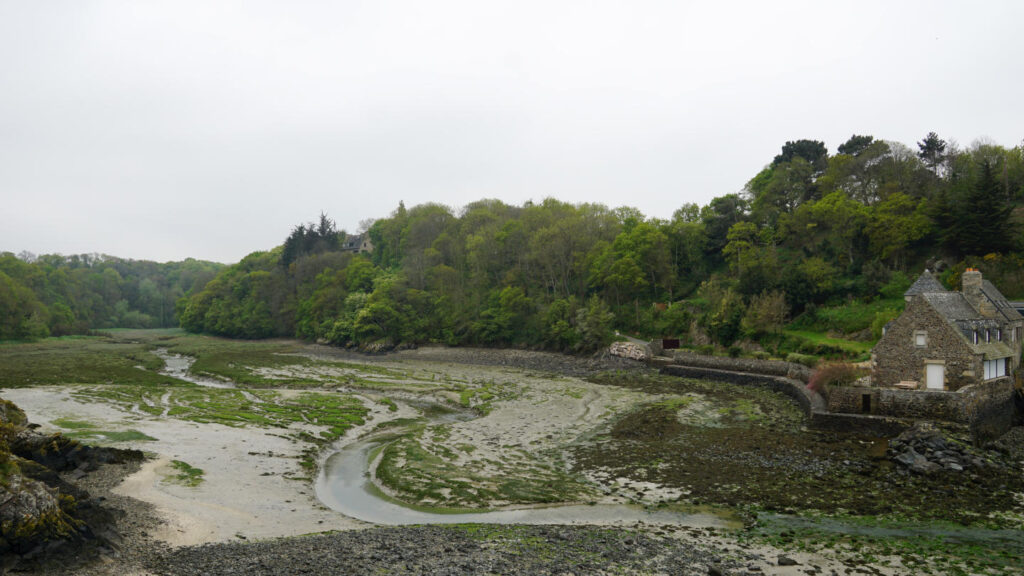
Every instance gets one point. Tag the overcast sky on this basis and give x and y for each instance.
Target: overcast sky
(166, 130)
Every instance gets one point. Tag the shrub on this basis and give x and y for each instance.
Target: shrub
(833, 374)
(805, 359)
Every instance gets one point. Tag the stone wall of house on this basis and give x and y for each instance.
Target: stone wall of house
(751, 365)
(932, 404)
(898, 359)
(987, 408)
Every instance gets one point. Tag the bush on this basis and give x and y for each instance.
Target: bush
(805, 359)
(833, 374)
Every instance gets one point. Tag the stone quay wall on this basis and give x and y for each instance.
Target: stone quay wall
(813, 405)
(748, 365)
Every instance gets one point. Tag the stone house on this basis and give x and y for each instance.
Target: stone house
(358, 243)
(947, 340)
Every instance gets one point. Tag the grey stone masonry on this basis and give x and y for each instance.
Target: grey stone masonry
(898, 357)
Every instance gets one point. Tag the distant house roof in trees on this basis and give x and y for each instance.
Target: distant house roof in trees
(926, 282)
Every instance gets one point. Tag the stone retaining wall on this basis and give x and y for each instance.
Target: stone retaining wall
(813, 405)
(808, 401)
(987, 408)
(881, 426)
(748, 365)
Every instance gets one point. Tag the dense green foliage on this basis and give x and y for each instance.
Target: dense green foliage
(809, 231)
(59, 295)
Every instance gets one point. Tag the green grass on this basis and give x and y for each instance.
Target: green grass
(853, 346)
(187, 475)
(846, 318)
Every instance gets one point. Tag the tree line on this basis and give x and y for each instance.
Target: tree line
(810, 229)
(55, 295)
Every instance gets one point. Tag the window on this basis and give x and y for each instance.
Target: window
(999, 334)
(988, 335)
(920, 338)
(995, 368)
(975, 336)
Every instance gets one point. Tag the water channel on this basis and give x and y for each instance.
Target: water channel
(344, 485)
(177, 366)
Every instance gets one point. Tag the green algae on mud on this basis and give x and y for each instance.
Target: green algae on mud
(933, 547)
(419, 468)
(333, 412)
(186, 475)
(771, 462)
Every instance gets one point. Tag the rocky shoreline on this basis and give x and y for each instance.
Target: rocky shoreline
(471, 550)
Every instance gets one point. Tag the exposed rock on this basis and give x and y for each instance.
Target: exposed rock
(924, 449)
(60, 453)
(629, 350)
(42, 517)
(31, 514)
(11, 414)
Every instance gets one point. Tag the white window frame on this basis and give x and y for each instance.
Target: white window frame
(994, 368)
(920, 339)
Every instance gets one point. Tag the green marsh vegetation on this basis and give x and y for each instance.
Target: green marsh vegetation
(419, 467)
(936, 547)
(89, 433)
(184, 475)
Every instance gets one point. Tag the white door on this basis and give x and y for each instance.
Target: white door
(936, 376)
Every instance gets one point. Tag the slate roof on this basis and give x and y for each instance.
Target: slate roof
(956, 310)
(1003, 306)
(926, 282)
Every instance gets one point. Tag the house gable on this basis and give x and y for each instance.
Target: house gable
(920, 336)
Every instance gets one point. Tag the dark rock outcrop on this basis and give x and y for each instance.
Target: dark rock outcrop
(42, 517)
(924, 449)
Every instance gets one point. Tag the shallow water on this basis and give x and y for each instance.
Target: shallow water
(176, 366)
(344, 485)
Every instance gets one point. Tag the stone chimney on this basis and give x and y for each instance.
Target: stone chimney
(971, 286)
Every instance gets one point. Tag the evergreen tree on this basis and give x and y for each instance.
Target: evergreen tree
(982, 225)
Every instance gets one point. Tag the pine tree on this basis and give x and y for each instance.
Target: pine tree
(982, 225)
